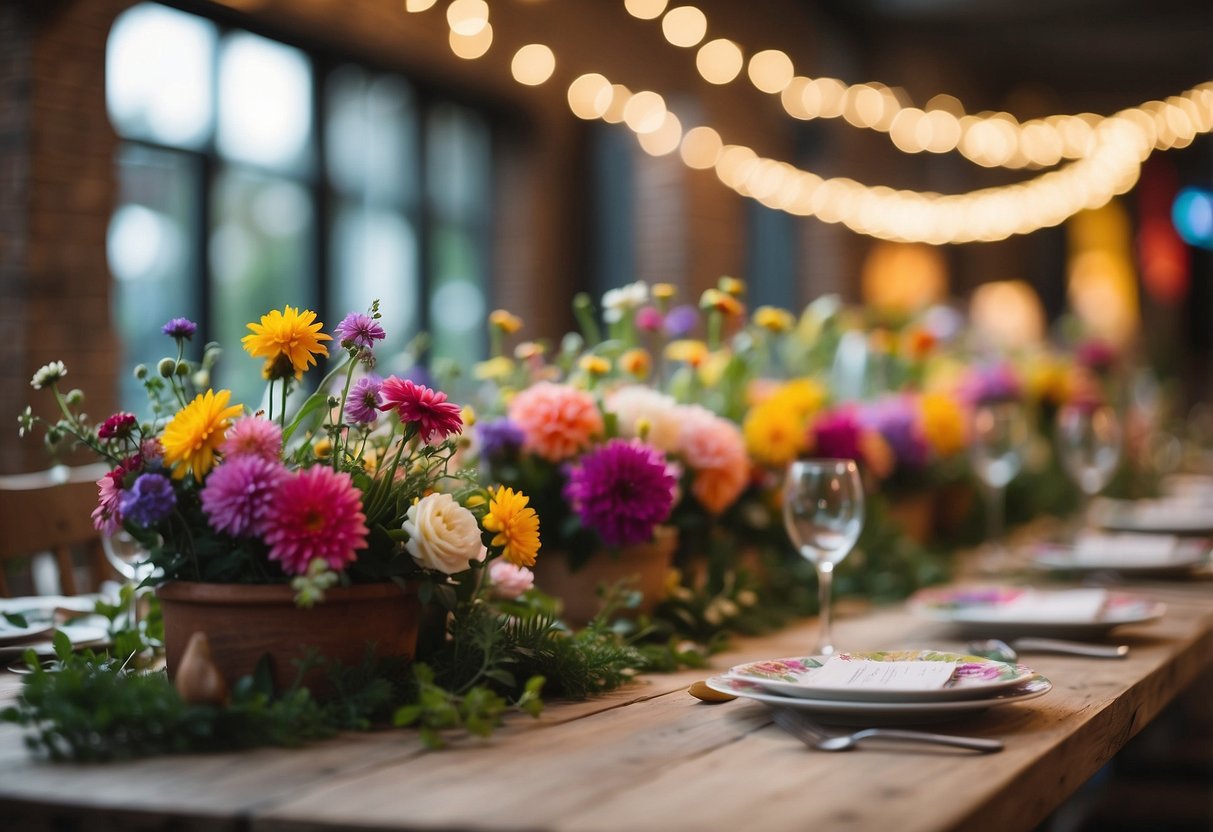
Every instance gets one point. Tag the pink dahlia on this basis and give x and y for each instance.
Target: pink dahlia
(622, 491)
(239, 493)
(106, 518)
(253, 436)
(316, 513)
(557, 421)
(715, 451)
(838, 434)
(435, 417)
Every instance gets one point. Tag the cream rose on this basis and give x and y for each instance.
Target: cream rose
(443, 535)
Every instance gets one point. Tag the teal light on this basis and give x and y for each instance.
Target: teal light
(1192, 214)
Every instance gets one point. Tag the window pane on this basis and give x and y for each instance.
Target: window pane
(261, 259)
(152, 257)
(458, 162)
(265, 103)
(457, 302)
(159, 65)
(371, 136)
(375, 256)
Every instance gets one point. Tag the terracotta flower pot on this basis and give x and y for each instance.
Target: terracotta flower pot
(645, 564)
(244, 622)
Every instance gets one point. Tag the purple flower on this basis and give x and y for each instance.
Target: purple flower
(499, 437)
(622, 490)
(991, 384)
(180, 328)
(149, 500)
(362, 407)
(837, 435)
(239, 494)
(681, 320)
(896, 420)
(360, 330)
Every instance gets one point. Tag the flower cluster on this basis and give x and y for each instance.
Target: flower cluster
(351, 487)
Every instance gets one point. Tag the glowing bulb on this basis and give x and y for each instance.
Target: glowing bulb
(771, 70)
(701, 148)
(467, 17)
(620, 95)
(470, 47)
(719, 61)
(644, 112)
(684, 26)
(645, 9)
(590, 96)
(418, 5)
(533, 64)
(665, 139)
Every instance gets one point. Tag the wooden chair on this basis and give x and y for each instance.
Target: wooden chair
(47, 516)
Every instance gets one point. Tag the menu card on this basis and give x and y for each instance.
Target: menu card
(853, 674)
(1092, 548)
(1070, 605)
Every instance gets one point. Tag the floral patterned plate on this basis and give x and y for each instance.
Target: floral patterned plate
(973, 678)
(851, 712)
(998, 611)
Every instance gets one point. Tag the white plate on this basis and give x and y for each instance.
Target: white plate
(974, 677)
(1186, 556)
(980, 610)
(12, 634)
(903, 713)
(1166, 516)
(82, 636)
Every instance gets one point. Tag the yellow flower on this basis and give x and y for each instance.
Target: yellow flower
(803, 396)
(595, 365)
(712, 369)
(687, 350)
(287, 341)
(663, 291)
(732, 286)
(494, 369)
(773, 319)
(943, 423)
(322, 448)
(528, 350)
(637, 362)
(515, 525)
(774, 435)
(721, 302)
(191, 438)
(468, 414)
(507, 322)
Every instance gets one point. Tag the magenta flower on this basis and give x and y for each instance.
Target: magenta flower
(991, 384)
(106, 516)
(239, 493)
(253, 436)
(428, 409)
(622, 491)
(362, 406)
(118, 426)
(316, 513)
(180, 328)
(359, 330)
(649, 319)
(1097, 356)
(837, 434)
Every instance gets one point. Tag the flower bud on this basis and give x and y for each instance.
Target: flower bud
(166, 367)
(141, 371)
(183, 369)
(74, 397)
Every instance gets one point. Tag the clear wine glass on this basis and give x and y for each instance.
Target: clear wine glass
(126, 555)
(999, 435)
(823, 506)
(1089, 440)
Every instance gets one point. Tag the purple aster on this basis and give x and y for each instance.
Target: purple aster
(498, 437)
(991, 384)
(896, 420)
(180, 328)
(622, 490)
(360, 330)
(149, 500)
(362, 406)
(681, 320)
(837, 434)
(239, 493)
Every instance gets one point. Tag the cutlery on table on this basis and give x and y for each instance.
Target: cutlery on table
(814, 736)
(1009, 652)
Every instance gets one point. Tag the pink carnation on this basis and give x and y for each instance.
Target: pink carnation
(253, 436)
(435, 417)
(240, 493)
(509, 581)
(556, 420)
(715, 451)
(106, 518)
(316, 513)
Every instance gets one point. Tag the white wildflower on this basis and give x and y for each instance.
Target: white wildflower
(48, 374)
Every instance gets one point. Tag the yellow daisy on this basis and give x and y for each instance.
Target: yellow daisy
(774, 435)
(506, 321)
(196, 431)
(637, 362)
(515, 525)
(943, 423)
(595, 365)
(773, 319)
(287, 341)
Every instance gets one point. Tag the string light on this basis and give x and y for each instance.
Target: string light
(533, 64)
(467, 17)
(719, 61)
(684, 26)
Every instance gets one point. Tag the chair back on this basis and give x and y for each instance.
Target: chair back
(47, 517)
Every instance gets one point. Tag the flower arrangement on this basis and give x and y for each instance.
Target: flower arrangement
(355, 483)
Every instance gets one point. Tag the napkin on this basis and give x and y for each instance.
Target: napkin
(866, 674)
(1125, 549)
(1069, 606)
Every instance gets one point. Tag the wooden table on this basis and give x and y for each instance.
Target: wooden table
(652, 757)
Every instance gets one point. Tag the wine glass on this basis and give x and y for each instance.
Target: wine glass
(1089, 443)
(999, 434)
(130, 560)
(823, 506)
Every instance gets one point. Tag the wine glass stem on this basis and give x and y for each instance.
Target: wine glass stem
(825, 581)
(996, 505)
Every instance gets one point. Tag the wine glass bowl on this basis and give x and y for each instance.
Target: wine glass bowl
(126, 555)
(1089, 443)
(823, 509)
(998, 436)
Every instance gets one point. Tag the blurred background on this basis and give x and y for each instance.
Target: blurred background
(217, 159)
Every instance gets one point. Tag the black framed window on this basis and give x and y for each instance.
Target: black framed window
(254, 173)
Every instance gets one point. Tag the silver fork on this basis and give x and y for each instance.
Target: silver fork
(813, 735)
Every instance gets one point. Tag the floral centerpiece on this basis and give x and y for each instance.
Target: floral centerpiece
(351, 491)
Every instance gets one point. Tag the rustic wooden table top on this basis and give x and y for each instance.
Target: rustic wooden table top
(652, 757)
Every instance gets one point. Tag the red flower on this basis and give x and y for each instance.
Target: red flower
(417, 404)
(118, 426)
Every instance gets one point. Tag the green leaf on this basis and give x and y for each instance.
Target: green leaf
(406, 715)
(16, 619)
(63, 645)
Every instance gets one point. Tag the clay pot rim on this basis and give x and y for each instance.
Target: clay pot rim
(201, 592)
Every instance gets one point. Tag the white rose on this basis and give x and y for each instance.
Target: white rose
(443, 535)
